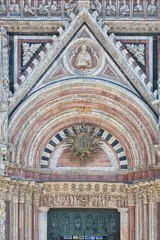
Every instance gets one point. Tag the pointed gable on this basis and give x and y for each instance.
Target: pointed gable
(101, 46)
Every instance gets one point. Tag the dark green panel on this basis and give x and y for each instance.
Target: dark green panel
(83, 222)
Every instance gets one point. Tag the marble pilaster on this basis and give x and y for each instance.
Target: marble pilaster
(43, 223)
(35, 214)
(152, 220)
(137, 221)
(21, 216)
(123, 223)
(28, 215)
(131, 222)
(14, 216)
(145, 216)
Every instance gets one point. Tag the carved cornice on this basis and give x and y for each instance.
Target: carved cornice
(32, 26)
(41, 26)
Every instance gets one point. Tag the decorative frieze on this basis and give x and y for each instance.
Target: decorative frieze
(65, 8)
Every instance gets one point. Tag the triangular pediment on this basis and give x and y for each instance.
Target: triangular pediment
(109, 60)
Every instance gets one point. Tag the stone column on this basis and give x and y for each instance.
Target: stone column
(28, 215)
(14, 216)
(35, 209)
(123, 223)
(131, 204)
(131, 222)
(152, 218)
(21, 215)
(145, 216)
(138, 218)
(43, 223)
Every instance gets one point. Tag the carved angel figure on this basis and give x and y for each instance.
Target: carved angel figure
(110, 9)
(152, 7)
(124, 9)
(2, 6)
(14, 7)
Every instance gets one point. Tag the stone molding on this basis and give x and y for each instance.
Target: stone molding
(44, 26)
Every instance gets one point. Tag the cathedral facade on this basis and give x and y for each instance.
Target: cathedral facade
(79, 120)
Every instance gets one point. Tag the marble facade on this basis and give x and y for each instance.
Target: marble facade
(68, 63)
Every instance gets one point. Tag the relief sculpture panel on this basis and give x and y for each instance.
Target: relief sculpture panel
(76, 223)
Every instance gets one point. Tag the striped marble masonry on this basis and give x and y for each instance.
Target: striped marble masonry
(106, 136)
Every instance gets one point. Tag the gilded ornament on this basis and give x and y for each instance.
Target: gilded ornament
(83, 143)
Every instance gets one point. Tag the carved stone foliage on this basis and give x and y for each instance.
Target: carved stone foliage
(29, 50)
(138, 51)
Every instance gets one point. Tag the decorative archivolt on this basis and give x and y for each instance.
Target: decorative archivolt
(44, 114)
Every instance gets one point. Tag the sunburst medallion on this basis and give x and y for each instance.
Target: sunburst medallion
(83, 143)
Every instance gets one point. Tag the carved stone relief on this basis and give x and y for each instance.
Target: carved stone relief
(84, 57)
